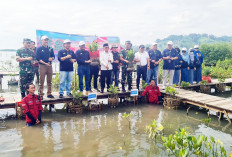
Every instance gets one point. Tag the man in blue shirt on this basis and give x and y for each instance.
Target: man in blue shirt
(155, 58)
(199, 60)
(169, 57)
(45, 56)
(66, 58)
(83, 60)
(178, 62)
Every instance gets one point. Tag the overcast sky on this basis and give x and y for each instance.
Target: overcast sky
(141, 21)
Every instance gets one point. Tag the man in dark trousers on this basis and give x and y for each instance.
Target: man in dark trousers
(45, 56)
(116, 66)
(32, 106)
(83, 60)
(106, 58)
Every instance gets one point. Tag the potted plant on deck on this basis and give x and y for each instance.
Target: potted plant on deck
(76, 106)
(94, 55)
(204, 88)
(170, 100)
(113, 96)
(221, 86)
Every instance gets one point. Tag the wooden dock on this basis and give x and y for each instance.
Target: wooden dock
(220, 105)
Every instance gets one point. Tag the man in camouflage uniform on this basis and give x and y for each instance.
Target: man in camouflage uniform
(126, 75)
(25, 57)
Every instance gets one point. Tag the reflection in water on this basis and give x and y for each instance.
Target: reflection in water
(103, 133)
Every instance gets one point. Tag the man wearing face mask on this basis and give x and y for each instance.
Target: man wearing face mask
(66, 58)
(45, 56)
(25, 57)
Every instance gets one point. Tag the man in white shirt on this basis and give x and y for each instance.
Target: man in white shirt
(106, 58)
(143, 63)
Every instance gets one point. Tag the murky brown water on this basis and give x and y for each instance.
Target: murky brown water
(103, 133)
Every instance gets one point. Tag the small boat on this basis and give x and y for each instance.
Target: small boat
(13, 82)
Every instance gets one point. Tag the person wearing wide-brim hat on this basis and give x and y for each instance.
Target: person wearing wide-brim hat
(116, 65)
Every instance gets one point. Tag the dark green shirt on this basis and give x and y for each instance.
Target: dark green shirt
(25, 66)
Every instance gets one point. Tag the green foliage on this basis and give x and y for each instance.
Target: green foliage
(154, 130)
(170, 90)
(215, 52)
(181, 144)
(56, 81)
(206, 70)
(207, 120)
(144, 84)
(77, 94)
(184, 84)
(113, 90)
(131, 55)
(93, 47)
(128, 117)
(203, 82)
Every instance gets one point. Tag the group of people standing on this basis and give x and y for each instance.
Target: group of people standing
(178, 65)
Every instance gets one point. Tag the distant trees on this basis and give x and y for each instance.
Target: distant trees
(215, 52)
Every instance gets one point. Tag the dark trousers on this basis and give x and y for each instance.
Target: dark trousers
(94, 70)
(105, 74)
(141, 70)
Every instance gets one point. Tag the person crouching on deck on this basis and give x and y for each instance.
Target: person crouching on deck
(153, 92)
(32, 106)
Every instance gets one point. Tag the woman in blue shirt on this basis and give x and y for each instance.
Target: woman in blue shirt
(178, 63)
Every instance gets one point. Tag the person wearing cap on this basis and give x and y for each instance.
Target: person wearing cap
(94, 68)
(45, 56)
(185, 65)
(126, 75)
(66, 58)
(178, 62)
(25, 57)
(36, 63)
(192, 65)
(169, 57)
(83, 60)
(143, 64)
(155, 58)
(106, 60)
(200, 57)
(116, 65)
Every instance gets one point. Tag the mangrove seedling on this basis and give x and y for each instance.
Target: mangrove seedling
(113, 90)
(128, 116)
(131, 55)
(184, 84)
(144, 84)
(171, 91)
(203, 82)
(154, 130)
(207, 120)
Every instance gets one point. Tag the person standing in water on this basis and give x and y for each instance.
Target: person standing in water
(32, 106)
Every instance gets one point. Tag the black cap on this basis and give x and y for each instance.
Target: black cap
(141, 46)
(106, 44)
(27, 40)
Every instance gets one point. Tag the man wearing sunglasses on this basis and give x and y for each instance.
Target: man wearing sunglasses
(25, 57)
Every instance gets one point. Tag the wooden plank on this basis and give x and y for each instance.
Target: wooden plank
(219, 102)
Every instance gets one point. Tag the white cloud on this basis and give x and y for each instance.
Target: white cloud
(139, 21)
